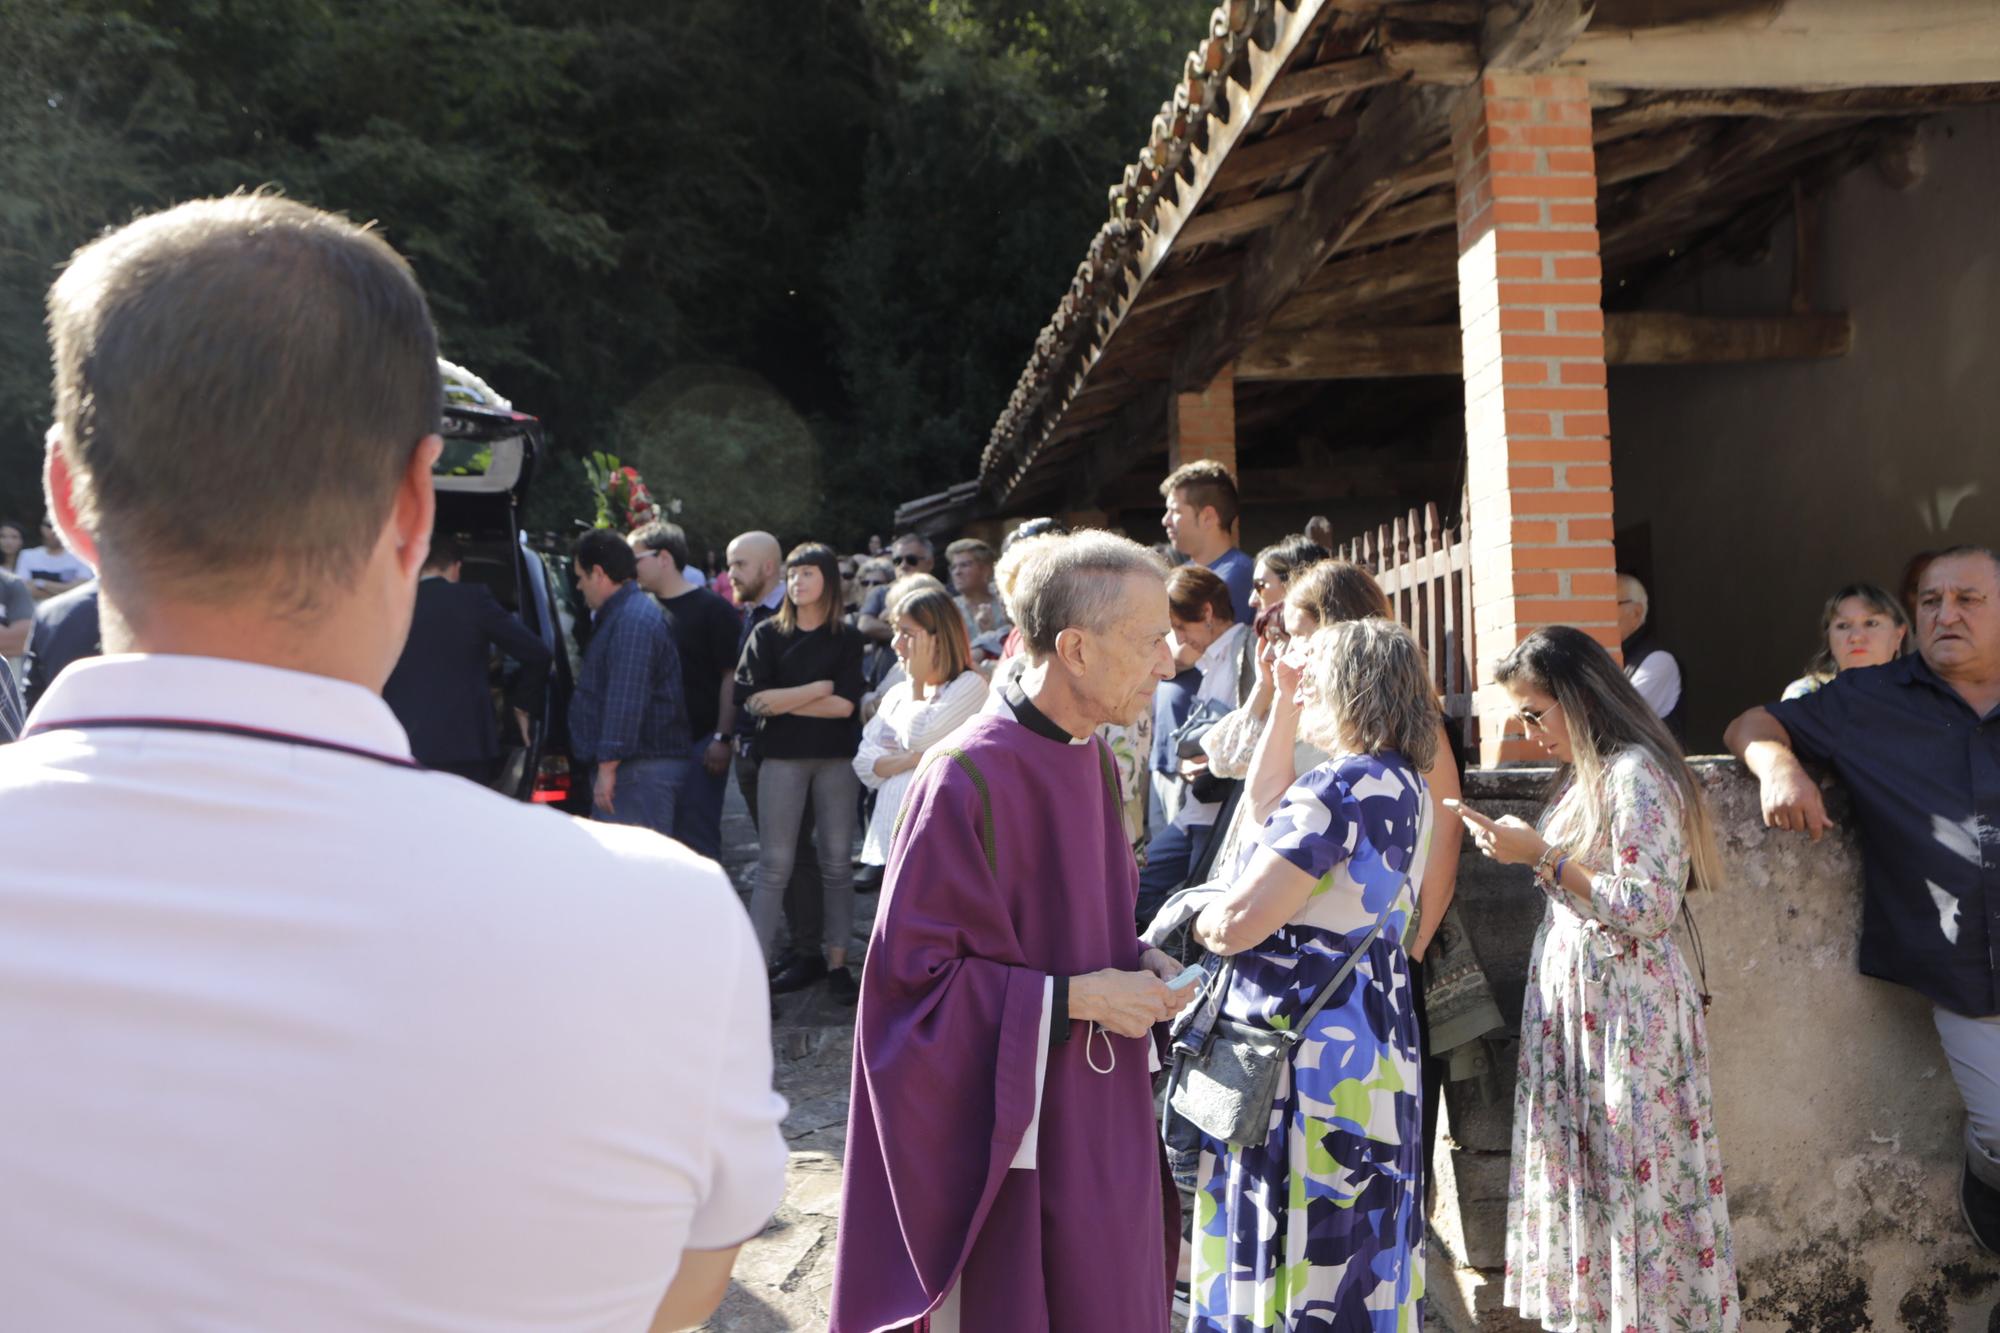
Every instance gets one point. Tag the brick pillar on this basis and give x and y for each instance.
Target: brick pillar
(1203, 424)
(1537, 434)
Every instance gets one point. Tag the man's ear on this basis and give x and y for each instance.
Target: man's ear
(416, 507)
(1071, 651)
(59, 486)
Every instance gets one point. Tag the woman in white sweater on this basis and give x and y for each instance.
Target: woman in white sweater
(940, 690)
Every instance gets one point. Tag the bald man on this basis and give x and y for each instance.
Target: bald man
(755, 566)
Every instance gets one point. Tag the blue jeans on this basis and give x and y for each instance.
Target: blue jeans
(645, 794)
(1169, 856)
(698, 811)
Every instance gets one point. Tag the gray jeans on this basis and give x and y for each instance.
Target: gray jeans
(784, 786)
(1972, 1045)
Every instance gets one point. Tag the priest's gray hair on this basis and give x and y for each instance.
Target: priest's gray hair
(1074, 581)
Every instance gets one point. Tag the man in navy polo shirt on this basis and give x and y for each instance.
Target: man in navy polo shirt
(1916, 742)
(1200, 521)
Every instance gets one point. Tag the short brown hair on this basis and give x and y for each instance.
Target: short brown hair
(937, 613)
(239, 384)
(1205, 484)
(1193, 590)
(1337, 590)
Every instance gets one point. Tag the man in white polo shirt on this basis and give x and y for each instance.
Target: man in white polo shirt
(296, 1034)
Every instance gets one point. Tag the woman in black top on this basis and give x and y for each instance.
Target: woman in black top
(800, 677)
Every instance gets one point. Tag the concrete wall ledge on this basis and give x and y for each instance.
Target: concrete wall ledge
(1841, 1127)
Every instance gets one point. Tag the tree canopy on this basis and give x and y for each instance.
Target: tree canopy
(789, 261)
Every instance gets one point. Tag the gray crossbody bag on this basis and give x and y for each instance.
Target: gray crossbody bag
(1225, 1073)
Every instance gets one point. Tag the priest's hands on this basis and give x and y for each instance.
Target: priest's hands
(1127, 1003)
(1161, 964)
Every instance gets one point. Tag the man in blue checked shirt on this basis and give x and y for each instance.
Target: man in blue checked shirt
(628, 716)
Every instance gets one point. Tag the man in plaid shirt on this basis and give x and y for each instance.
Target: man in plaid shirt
(628, 716)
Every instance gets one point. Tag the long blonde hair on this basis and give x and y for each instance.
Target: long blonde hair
(1605, 716)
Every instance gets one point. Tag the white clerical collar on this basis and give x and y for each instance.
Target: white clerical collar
(175, 687)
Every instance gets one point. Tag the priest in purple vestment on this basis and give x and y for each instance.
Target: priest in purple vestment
(1004, 1169)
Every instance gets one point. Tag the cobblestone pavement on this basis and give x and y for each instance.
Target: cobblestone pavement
(784, 1278)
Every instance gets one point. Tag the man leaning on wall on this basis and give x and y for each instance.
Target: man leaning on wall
(1916, 742)
(299, 1034)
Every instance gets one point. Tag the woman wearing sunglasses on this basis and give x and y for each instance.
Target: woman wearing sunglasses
(1616, 1215)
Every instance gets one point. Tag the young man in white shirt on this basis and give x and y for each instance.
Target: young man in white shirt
(297, 1034)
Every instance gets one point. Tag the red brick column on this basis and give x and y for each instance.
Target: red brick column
(1538, 472)
(1203, 424)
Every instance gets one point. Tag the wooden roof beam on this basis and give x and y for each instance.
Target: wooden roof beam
(1636, 109)
(1398, 129)
(1252, 164)
(1223, 224)
(1631, 338)
(1320, 83)
(1789, 44)
(1184, 284)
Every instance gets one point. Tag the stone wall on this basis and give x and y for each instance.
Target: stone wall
(1840, 1124)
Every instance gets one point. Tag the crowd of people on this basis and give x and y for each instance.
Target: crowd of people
(313, 1028)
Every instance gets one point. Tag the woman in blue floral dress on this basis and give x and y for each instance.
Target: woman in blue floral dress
(1320, 1228)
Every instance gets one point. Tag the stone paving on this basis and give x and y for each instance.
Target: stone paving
(784, 1278)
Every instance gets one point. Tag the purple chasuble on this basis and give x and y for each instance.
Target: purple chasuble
(945, 1048)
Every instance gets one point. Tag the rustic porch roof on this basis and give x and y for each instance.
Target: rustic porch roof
(1296, 189)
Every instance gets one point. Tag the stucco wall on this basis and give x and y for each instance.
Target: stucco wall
(1840, 1124)
(1768, 486)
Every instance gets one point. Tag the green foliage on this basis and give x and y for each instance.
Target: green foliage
(791, 266)
(560, 499)
(1006, 123)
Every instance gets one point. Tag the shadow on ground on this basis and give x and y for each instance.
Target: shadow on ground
(784, 1278)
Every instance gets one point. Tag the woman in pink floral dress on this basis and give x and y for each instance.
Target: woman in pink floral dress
(1616, 1215)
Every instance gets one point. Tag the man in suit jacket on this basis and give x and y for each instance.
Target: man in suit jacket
(440, 690)
(66, 630)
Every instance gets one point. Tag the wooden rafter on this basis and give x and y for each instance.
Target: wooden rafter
(1320, 83)
(1397, 130)
(1277, 154)
(1631, 338)
(1641, 109)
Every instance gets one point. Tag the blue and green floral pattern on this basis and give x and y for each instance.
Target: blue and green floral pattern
(1320, 1229)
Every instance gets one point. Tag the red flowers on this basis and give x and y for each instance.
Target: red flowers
(1589, 1021)
(1645, 1169)
(1694, 1129)
(1715, 1184)
(1583, 1266)
(1629, 856)
(1707, 1257)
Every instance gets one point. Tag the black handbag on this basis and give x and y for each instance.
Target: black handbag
(1225, 1074)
